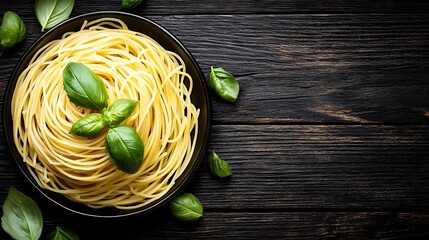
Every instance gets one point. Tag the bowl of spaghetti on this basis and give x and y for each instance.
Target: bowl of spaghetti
(136, 59)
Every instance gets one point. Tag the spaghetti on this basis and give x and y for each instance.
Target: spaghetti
(131, 65)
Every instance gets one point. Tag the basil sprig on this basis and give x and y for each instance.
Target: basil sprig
(61, 233)
(218, 166)
(84, 87)
(186, 207)
(22, 218)
(94, 123)
(118, 111)
(123, 143)
(88, 126)
(51, 12)
(224, 84)
(125, 148)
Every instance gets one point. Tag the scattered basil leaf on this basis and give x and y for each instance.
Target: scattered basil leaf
(224, 84)
(22, 218)
(88, 126)
(61, 233)
(118, 111)
(130, 4)
(84, 87)
(186, 207)
(51, 12)
(218, 166)
(125, 148)
(12, 31)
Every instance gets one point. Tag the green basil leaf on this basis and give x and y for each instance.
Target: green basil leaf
(118, 111)
(130, 4)
(88, 126)
(61, 233)
(22, 218)
(125, 148)
(218, 166)
(224, 84)
(51, 12)
(12, 30)
(186, 207)
(84, 87)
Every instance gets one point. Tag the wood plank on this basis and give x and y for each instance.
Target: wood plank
(319, 167)
(292, 226)
(170, 7)
(305, 68)
(306, 167)
(317, 68)
(252, 225)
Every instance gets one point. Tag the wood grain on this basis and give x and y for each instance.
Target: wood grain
(329, 136)
(319, 167)
(306, 68)
(309, 167)
(312, 225)
(183, 7)
(254, 225)
(329, 68)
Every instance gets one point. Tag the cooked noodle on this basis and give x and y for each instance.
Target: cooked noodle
(131, 65)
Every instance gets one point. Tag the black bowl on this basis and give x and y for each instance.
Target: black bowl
(200, 98)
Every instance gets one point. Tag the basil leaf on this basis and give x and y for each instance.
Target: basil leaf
(88, 126)
(224, 84)
(118, 111)
(130, 4)
(83, 87)
(186, 207)
(61, 233)
(218, 166)
(51, 12)
(125, 148)
(22, 218)
(12, 30)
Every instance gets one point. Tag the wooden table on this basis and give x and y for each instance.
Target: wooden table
(329, 137)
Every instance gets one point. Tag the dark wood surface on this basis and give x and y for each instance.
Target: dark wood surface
(329, 137)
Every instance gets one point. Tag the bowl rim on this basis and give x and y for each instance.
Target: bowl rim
(167, 196)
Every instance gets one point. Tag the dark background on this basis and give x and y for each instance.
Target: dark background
(329, 137)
